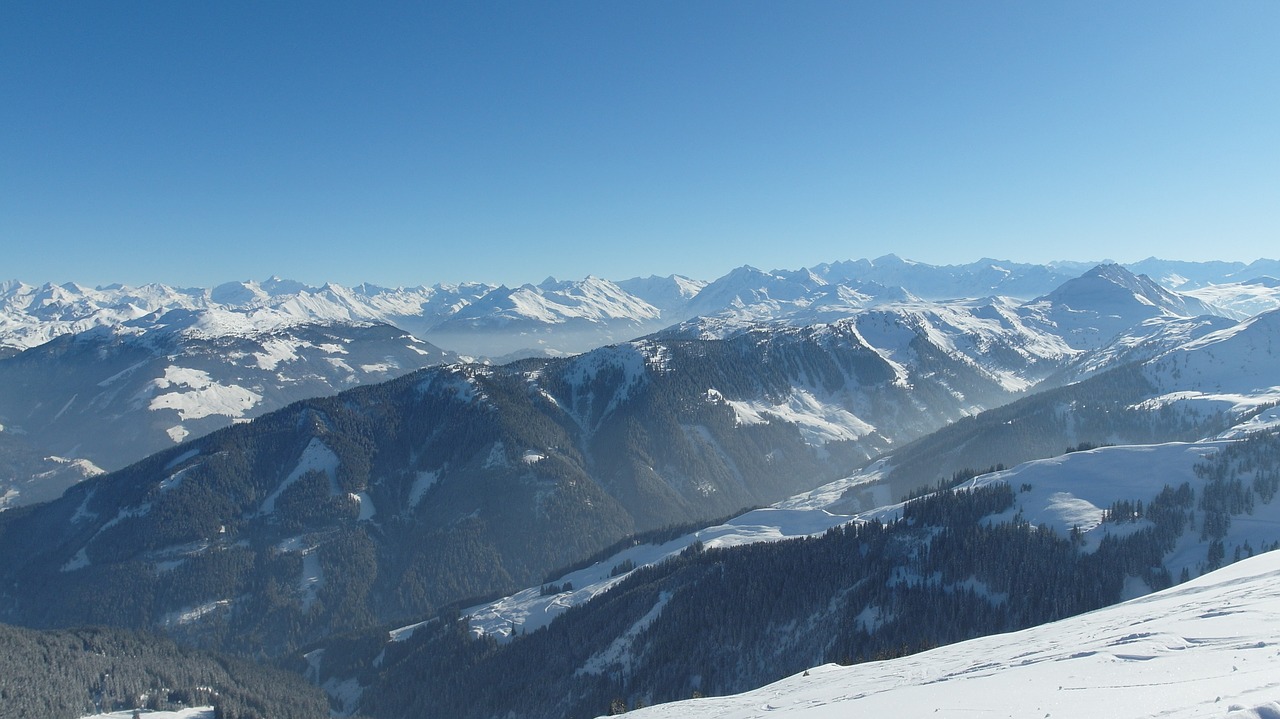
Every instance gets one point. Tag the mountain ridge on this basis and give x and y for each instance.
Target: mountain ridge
(30, 315)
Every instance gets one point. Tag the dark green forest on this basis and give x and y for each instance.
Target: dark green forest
(67, 674)
(733, 619)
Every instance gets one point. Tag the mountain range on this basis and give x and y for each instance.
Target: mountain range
(478, 320)
(99, 378)
(252, 509)
(104, 398)
(1119, 520)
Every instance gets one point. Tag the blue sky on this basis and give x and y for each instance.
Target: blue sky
(193, 143)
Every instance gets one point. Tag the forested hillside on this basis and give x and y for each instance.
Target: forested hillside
(67, 674)
(387, 502)
(931, 572)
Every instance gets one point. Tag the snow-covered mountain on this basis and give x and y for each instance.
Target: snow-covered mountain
(390, 501)
(1187, 276)
(472, 318)
(1241, 299)
(989, 334)
(1218, 377)
(30, 316)
(1189, 379)
(560, 317)
(698, 421)
(1102, 319)
(1090, 310)
(528, 466)
(669, 294)
(109, 396)
(982, 278)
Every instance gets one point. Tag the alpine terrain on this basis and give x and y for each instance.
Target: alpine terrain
(424, 502)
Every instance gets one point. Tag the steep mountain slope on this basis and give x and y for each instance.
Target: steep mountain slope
(408, 487)
(718, 611)
(1181, 390)
(989, 335)
(389, 502)
(1227, 365)
(1091, 309)
(1156, 513)
(1139, 343)
(111, 396)
(465, 479)
(1204, 648)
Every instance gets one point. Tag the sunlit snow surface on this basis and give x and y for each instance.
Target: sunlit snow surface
(203, 396)
(1210, 647)
(192, 713)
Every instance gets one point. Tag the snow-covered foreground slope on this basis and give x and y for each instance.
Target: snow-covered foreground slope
(1208, 647)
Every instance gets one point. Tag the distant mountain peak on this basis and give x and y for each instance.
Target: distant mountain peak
(1110, 284)
(890, 259)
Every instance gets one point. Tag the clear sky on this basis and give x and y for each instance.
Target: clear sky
(198, 142)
